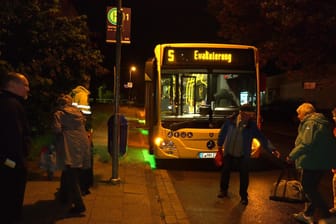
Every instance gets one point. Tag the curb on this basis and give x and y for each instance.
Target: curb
(172, 209)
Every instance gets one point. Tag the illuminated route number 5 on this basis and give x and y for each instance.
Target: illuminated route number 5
(171, 55)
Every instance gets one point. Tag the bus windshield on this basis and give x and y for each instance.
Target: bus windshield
(191, 94)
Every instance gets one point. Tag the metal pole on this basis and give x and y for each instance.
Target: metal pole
(116, 122)
(129, 89)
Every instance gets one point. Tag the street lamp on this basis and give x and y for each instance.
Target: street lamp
(130, 84)
(132, 69)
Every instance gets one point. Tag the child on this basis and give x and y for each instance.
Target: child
(48, 160)
(333, 210)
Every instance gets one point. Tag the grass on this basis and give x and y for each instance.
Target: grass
(100, 116)
(46, 140)
(102, 154)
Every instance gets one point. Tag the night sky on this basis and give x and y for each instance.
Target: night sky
(152, 22)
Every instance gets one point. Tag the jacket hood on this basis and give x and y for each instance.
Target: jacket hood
(72, 112)
(317, 117)
(79, 89)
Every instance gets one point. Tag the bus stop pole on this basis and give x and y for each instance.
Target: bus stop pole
(116, 122)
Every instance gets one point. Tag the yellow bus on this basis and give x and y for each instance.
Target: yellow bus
(190, 89)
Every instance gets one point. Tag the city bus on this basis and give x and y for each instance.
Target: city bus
(190, 89)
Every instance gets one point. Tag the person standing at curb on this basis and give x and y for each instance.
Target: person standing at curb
(236, 136)
(72, 151)
(14, 146)
(314, 154)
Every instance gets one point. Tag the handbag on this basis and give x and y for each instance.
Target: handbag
(219, 158)
(287, 189)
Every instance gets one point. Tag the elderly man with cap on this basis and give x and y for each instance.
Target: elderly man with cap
(235, 137)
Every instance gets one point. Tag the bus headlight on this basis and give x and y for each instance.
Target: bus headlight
(165, 144)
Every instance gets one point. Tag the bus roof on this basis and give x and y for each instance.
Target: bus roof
(209, 45)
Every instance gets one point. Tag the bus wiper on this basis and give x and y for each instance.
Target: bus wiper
(178, 125)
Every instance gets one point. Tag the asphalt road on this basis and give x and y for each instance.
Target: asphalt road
(197, 190)
(196, 183)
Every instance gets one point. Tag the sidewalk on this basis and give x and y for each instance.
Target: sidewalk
(142, 196)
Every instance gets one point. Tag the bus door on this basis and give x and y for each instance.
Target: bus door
(167, 95)
(188, 92)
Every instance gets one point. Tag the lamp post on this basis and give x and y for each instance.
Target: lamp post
(132, 69)
(130, 84)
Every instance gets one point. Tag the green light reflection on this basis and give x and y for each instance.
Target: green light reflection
(149, 158)
(143, 131)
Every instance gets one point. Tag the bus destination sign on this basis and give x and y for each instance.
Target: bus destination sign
(230, 58)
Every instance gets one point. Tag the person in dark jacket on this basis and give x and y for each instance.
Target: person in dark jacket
(14, 146)
(314, 154)
(236, 137)
(72, 150)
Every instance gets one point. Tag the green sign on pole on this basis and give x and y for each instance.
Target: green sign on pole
(112, 16)
(112, 25)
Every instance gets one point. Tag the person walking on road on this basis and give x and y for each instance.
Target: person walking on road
(72, 151)
(314, 154)
(236, 136)
(14, 146)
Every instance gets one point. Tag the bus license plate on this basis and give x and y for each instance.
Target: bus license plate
(205, 155)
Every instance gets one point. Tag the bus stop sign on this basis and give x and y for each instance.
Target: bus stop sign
(111, 20)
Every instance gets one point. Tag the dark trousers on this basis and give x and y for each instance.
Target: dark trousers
(86, 176)
(243, 167)
(86, 179)
(70, 189)
(311, 180)
(12, 189)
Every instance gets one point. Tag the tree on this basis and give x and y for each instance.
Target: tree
(292, 35)
(53, 50)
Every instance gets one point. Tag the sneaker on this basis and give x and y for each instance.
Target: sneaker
(301, 217)
(332, 211)
(85, 192)
(244, 201)
(222, 194)
(331, 220)
(77, 210)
